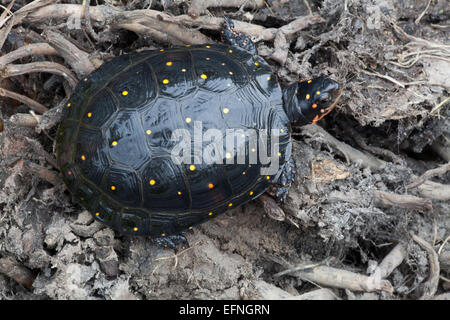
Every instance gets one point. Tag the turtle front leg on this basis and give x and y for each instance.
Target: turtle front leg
(172, 241)
(236, 38)
(278, 191)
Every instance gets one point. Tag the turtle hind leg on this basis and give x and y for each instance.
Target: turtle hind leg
(172, 241)
(235, 38)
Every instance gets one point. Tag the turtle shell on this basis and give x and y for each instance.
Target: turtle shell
(115, 142)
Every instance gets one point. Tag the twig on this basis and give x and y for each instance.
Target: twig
(434, 190)
(25, 119)
(164, 22)
(43, 66)
(308, 7)
(281, 45)
(36, 106)
(339, 278)
(77, 59)
(375, 150)
(5, 31)
(87, 19)
(429, 174)
(442, 245)
(379, 75)
(387, 199)
(391, 261)
(16, 271)
(423, 13)
(37, 148)
(44, 173)
(440, 105)
(198, 7)
(175, 256)
(31, 49)
(350, 153)
(430, 287)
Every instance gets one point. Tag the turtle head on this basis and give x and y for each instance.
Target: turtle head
(309, 101)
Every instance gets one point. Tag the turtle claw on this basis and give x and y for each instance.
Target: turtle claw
(172, 241)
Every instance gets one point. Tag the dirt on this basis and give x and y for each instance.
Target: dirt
(395, 75)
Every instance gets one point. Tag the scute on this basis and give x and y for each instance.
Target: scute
(168, 186)
(174, 73)
(123, 185)
(91, 154)
(100, 109)
(125, 136)
(135, 87)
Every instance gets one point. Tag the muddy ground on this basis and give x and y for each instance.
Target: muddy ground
(360, 222)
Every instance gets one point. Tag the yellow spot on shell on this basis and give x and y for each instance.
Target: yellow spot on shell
(251, 193)
(208, 58)
(166, 81)
(152, 182)
(188, 120)
(188, 45)
(125, 93)
(114, 143)
(279, 154)
(230, 51)
(307, 96)
(268, 78)
(179, 193)
(226, 110)
(228, 155)
(223, 63)
(163, 234)
(281, 130)
(243, 173)
(190, 228)
(230, 204)
(97, 214)
(210, 214)
(253, 149)
(148, 131)
(168, 63)
(113, 188)
(317, 92)
(83, 157)
(231, 72)
(135, 229)
(208, 47)
(69, 104)
(192, 167)
(85, 79)
(267, 177)
(203, 76)
(161, 50)
(309, 81)
(183, 70)
(89, 114)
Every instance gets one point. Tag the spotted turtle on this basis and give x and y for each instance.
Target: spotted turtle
(116, 140)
